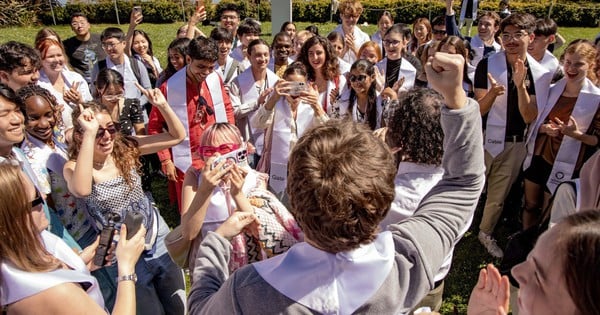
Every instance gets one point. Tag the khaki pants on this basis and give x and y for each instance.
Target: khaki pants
(433, 299)
(501, 172)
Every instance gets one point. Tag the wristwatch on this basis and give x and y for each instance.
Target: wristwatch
(131, 277)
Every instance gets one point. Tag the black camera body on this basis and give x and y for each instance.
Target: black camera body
(106, 238)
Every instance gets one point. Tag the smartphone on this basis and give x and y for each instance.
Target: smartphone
(239, 157)
(137, 8)
(297, 87)
(133, 222)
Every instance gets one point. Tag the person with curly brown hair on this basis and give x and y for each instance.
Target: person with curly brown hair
(341, 185)
(103, 170)
(323, 69)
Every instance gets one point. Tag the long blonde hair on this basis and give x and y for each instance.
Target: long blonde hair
(20, 241)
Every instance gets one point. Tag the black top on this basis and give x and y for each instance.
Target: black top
(83, 55)
(515, 125)
(130, 115)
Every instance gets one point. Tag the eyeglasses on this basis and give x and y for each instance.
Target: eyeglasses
(360, 78)
(439, 32)
(229, 17)
(111, 130)
(75, 24)
(110, 45)
(350, 16)
(391, 42)
(202, 110)
(517, 36)
(38, 200)
(208, 151)
(112, 97)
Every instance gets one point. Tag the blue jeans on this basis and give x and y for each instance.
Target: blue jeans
(160, 288)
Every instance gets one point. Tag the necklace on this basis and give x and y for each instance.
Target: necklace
(100, 165)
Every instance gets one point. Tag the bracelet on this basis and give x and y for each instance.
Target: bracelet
(131, 277)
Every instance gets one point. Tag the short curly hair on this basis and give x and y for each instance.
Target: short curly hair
(31, 90)
(341, 185)
(414, 127)
(202, 48)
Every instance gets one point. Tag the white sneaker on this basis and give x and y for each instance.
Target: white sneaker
(490, 244)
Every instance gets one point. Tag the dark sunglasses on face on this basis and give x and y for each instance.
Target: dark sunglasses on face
(439, 32)
(38, 200)
(111, 130)
(359, 78)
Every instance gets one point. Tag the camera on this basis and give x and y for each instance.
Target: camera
(106, 238)
(133, 222)
(239, 157)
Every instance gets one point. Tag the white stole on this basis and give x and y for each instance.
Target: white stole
(249, 93)
(18, 284)
(478, 47)
(585, 108)
(284, 138)
(549, 61)
(215, 87)
(495, 132)
(177, 99)
(326, 101)
(407, 70)
(330, 283)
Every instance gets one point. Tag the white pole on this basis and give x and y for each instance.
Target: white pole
(52, 10)
(281, 11)
(117, 13)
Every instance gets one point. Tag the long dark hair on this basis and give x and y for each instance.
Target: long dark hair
(331, 67)
(368, 68)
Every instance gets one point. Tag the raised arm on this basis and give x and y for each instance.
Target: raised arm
(175, 131)
(451, 27)
(527, 103)
(198, 16)
(78, 173)
(134, 20)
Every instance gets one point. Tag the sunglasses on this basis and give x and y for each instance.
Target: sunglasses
(208, 151)
(439, 32)
(111, 130)
(359, 78)
(38, 200)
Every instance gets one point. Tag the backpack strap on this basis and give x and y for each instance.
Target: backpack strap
(101, 65)
(135, 67)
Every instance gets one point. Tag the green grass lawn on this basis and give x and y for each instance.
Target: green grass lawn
(469, 255)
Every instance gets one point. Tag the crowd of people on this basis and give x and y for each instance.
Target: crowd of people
(313, 174)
